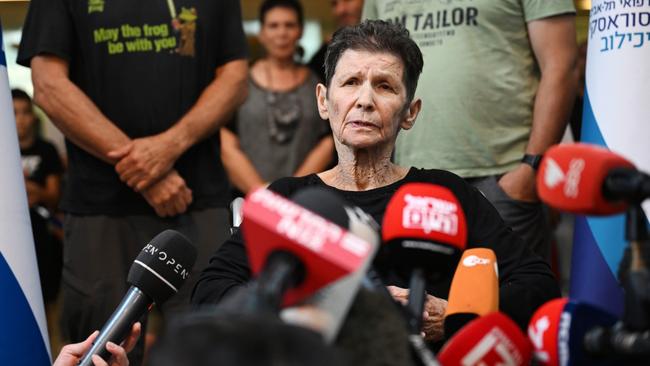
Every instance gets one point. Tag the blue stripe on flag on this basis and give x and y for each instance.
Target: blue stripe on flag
(3, 59)
(598, 243)
(21, 342)
(591, 280)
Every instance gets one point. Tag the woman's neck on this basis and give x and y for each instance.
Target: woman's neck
(362, 170)
(280, 63)
(27, 141)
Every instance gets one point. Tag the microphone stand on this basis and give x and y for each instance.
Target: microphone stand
(629, 339)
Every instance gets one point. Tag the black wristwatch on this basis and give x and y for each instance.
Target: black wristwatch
(532, 160)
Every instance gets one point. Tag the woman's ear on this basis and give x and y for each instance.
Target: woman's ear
(411, 114)
(321, 99)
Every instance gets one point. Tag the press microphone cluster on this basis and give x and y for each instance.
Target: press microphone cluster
(591, 180)
(157, 273)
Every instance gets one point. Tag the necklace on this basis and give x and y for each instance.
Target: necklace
(283, 109)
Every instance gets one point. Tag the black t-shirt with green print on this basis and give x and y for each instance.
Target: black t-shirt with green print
(144, 64)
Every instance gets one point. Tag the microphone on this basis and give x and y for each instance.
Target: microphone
(474, 289)
(327, 309)
(295, 252)
(490, 340)
(424, 231)
(558, 332)
(158, 271)
(587, 179)
(599, 182)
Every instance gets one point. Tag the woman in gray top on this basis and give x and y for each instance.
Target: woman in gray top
(277, 132)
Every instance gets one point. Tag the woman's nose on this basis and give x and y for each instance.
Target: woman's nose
(365, 98)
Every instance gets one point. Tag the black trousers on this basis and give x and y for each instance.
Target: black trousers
(98, 252)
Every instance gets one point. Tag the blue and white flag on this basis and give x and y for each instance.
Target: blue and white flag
(23, 330)
(616, 115)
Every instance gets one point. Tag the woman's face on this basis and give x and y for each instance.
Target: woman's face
(365, 103)
(280, 32)
(25, 118)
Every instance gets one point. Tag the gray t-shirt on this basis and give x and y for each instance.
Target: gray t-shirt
(479, 80)
(277, 130)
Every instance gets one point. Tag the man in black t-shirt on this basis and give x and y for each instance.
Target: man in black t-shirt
(138, 89)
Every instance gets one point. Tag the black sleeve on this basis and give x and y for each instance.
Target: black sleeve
(228, 268)
(48, 29)
(51, 160)
(232, 41)
(526, 280)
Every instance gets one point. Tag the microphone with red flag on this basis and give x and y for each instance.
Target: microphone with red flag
(424, 232)
(490, 340)
(558, 332)
(588, 179)
(474, 289)
(295, 252)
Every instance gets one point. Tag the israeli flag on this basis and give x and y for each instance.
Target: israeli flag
(23, 330)
(616, 115)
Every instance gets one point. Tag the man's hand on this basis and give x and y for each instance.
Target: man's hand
(519, 184)
(72, 353)
(143, 161)
(434, 313)
(169, 196)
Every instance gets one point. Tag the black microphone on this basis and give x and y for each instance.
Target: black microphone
(160, 269)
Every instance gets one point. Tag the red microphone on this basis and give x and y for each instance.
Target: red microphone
(558, 331)
(424, 232)
(588, 179)
(543, 331)
(293, 251)
(490, 340)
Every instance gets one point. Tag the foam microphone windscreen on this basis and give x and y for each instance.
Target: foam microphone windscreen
(424, 226)
(327, 251)
(557, 332)
(474, 289)
(572, 176)
(490, 340)
(163, 265)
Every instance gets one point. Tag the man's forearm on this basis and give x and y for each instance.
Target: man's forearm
(553, 103)
(72, 111)
(213, 108)
(554, 45)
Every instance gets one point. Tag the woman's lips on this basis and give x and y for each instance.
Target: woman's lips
(361, 124)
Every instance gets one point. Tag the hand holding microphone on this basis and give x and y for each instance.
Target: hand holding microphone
(158, 271)
(71, 353)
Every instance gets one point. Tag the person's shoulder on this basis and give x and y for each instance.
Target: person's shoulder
(288, 185)
(436, 176)
(457, 185)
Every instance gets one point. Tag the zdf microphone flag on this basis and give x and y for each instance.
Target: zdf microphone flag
(615, 116)
(23, 331)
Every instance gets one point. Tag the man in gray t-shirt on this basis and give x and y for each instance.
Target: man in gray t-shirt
(497, 87)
